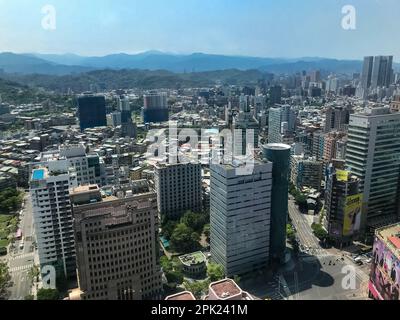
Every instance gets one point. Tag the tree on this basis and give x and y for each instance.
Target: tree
(206, 231)
(175, 277)
(166, 264)
(5, 281)
(184, 239)
(198, 288)
(195, 221)
(319, 231)
(34, 273)
(291, 234)
(48, 294)
(215, 272)
(168, 228)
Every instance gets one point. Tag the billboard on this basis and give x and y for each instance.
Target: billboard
(385, 273)
(342, 175)
(352, 214)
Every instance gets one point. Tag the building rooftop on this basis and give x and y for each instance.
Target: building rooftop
(193, 258)
(277, 146)
(186, 295)
(225, 289)
(391, 237)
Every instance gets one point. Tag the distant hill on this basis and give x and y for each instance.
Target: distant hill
(200, 62)
(146, 79)
(27, 64)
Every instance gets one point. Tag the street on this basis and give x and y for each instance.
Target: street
(303, 230)
(21, 259)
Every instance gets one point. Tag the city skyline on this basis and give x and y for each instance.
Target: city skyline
(208, 28)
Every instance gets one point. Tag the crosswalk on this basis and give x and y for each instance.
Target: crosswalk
(21, 268)
(22, 256)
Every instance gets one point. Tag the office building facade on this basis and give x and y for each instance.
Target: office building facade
(91, 111)
(155, 108)
(373, 155)
(240, 214)
(117, 244)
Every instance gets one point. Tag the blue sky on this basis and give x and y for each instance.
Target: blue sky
(268, 28)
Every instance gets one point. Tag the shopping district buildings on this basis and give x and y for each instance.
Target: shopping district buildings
(100, 190)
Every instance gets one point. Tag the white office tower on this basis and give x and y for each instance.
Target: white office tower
(278, 116)
(240, 217)
(373, 155)
(89, 167)
(49, 188)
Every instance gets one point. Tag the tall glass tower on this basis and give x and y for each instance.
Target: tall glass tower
(279, 155)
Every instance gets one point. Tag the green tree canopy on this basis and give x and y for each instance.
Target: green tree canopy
(5, 280)
(195, 221)
(184, 239)
(48, 294)
(215, 272)
(198, 288)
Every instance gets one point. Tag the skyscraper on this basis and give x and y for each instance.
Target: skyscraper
(245, 121)
(155, 108)
(281, 121)
(116, 244)
(382, 72)
(91, 111)
(373, 155)
(240, 214)
(366, 75)
(279, 155)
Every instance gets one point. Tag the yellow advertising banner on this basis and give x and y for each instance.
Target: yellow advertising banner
(352, 215)
(342, 175)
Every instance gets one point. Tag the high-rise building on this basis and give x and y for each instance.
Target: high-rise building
(279, 155)
(245, 121)
(281, 122)
(275, 95)
(116, 240)
(382, 72)
(318, 145)
(91, 111)
(366, 75)
(178, 188)
(373, 155)
(155, 108)
(49, 189)
(343, 206)
(240, 214)
(384, 283)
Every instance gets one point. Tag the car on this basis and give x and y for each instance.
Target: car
(359, 263)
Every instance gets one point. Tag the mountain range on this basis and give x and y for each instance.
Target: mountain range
(66, 64)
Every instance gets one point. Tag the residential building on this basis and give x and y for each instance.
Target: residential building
(178, 188)
(306, 172)
(52, 215)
